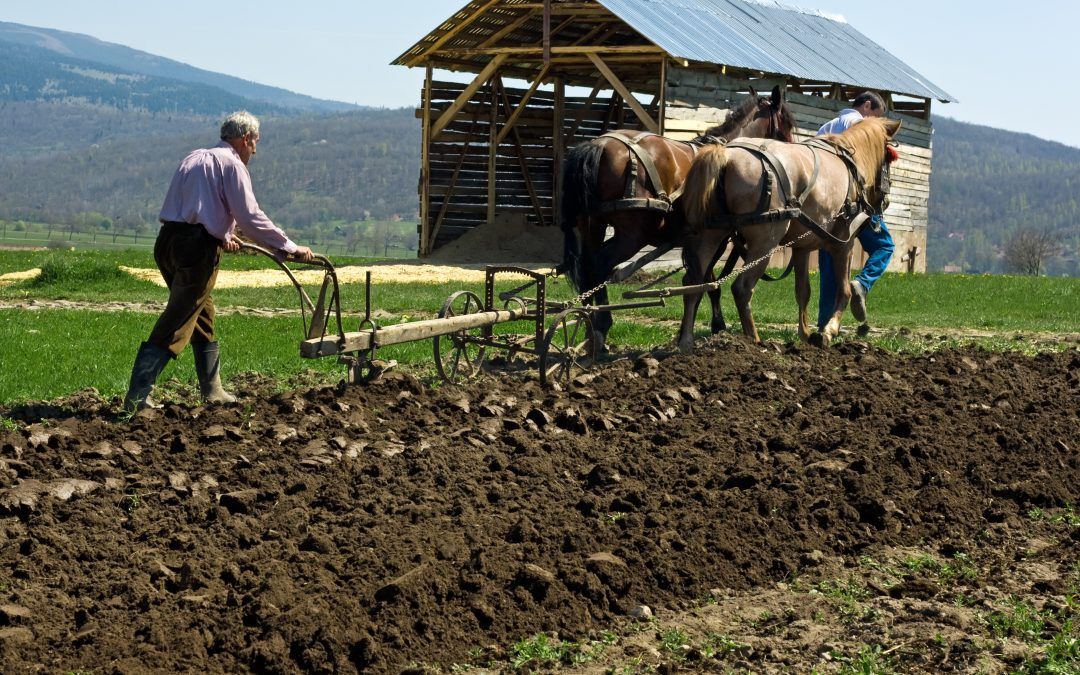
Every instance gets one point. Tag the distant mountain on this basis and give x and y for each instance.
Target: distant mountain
(66, 46)
(37, 74)
(987, 184)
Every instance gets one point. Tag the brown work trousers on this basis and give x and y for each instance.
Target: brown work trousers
(188, 257)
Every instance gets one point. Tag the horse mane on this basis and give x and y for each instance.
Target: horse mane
(865, 142)
(737, 115)
(787, 117)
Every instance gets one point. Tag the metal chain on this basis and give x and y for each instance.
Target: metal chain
(582, 297)
(776, 249)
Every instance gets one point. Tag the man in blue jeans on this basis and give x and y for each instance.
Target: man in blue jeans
(874, 236)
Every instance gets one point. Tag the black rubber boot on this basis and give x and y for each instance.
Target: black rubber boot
(149, 363)
(207, 367)
(858, 301)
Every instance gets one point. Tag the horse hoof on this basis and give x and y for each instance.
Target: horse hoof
(819, 340)
(863, 330)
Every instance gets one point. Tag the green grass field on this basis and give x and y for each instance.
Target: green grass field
(60, 237)
(47, 353)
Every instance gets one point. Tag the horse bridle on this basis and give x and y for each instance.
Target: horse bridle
(774, 119)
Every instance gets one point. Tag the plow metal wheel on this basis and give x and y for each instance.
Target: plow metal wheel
(457, 356)
(569, 348)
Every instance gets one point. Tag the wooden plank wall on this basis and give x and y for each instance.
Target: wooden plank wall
(699, 99)
(459, 156)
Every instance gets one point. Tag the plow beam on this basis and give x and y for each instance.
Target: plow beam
(331, 345)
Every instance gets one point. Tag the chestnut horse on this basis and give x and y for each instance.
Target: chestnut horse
(832, 179)
(603, 185)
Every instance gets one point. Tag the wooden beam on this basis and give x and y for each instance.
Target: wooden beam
(547, 33)
(661, 107)
(442, 39)
(521, 157)
(562, 6)
(603, 30)
(521, 106)
(449, 193)
(557, 142)
(406, 332)
(493, 152)
(643, 115)
(425, 168)
(584, 109)
(539, 51)
(509, 28)
(465, 95)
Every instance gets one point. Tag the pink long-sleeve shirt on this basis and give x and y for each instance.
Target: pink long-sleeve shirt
(212, 187)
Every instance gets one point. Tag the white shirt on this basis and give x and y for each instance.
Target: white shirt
(848, 116)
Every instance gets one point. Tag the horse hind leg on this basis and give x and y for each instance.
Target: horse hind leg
(718, 324)
(743, 288)
(801, 261)
(697, 253)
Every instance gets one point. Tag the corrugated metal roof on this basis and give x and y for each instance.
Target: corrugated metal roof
(772, 38)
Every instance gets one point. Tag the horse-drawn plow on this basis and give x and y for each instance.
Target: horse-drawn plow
(556, 337)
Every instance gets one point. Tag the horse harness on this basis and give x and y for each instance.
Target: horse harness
(855, 210)
(662, 202)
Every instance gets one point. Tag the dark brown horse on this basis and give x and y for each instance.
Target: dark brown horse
(605, 184)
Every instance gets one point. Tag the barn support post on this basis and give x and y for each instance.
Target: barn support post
(426, 240)
(558, 142)
(661, 107)
(493, 152)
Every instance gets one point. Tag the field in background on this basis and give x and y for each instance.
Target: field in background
(52, 352)
(376, 238)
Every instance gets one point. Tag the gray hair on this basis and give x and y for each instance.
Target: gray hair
(239, 124)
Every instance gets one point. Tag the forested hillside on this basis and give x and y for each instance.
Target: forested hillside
(988, 185)
(310, 169)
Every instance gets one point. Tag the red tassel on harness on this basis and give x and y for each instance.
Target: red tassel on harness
(891, 155)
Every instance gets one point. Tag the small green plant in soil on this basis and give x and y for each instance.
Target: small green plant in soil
(849, 595)
(721, 646)
(870, 660)
(133, 501)
(673, 640)
(541, 650)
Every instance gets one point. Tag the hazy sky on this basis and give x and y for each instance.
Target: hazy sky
(1011, 64)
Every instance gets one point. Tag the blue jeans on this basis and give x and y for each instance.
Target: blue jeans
(879, 249)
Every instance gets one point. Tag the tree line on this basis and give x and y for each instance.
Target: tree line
(999, 197)
(311, 171)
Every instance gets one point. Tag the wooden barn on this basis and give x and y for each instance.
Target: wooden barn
(492, 151)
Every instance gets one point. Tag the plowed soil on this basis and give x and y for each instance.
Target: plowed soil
(397, 526)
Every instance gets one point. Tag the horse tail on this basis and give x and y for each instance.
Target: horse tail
(578, 199)
(700, 196)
